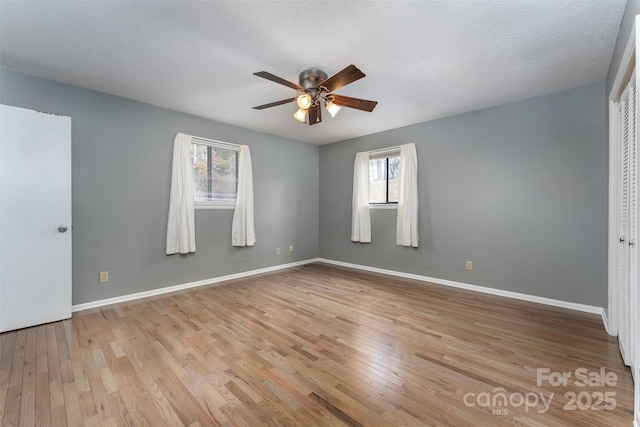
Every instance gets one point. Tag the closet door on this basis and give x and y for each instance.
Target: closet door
(628, 223)
(623, 223)
(632, 286)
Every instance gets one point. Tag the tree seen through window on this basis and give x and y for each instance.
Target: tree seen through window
(215, 172)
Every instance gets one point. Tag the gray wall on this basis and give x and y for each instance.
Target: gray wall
(121, 177)
(518, 189)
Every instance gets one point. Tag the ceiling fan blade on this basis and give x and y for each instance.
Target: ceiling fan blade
(267, 75)
(357, 103)
(315, 114)
(343, 78)
(273, 104)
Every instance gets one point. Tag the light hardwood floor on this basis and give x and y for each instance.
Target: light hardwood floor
(311, 346)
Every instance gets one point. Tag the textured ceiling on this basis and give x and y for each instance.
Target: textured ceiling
(423, 59)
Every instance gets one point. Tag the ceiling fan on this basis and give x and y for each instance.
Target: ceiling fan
(314, 92)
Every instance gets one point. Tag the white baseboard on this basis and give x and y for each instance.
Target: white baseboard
(623, 352)
(605, 322)
(165, 290)
(483, 289)
(460, 285)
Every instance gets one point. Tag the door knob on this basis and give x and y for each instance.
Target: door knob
(63, 228)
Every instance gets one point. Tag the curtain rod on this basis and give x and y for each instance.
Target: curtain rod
(383, 150)
(214, 141)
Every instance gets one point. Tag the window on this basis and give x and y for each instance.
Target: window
(384, 177)
(215, 173)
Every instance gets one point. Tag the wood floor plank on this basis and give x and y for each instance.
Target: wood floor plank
(119, 410)
(72, 404)
(309, 346)
(59, 416)
(14, 386)
(42, 401)
(42, 398)
(6, 362)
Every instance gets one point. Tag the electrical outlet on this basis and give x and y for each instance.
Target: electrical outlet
(104, 276)
(277, 251)
(469, 265)
(290, 249)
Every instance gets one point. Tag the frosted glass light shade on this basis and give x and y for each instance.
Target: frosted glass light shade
(304, 101)
(332, 108)
(300, 115)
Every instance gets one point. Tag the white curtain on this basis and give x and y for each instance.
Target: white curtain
(243, 232)
(360, 218)
(407, 221)
(181, 231)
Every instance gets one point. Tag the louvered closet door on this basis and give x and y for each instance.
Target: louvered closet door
(623, 224)
(632, 287)
(628, 223)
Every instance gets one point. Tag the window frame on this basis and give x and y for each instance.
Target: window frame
(384, 153)
(217, 204)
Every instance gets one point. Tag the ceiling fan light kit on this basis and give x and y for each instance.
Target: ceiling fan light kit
(304, 101)
(314, 92)
(332, 108)
(300, 115)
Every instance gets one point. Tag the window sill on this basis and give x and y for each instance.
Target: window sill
(383, 206)
(214, 206)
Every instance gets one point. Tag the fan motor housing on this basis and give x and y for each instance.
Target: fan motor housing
(311, 78)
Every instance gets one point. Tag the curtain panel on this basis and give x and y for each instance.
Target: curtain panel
(360, 217)
(243, 232)
(181, 231)
(407, 220)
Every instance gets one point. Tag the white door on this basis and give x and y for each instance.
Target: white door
(625, 153)
(633, 222)
(35, 218)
